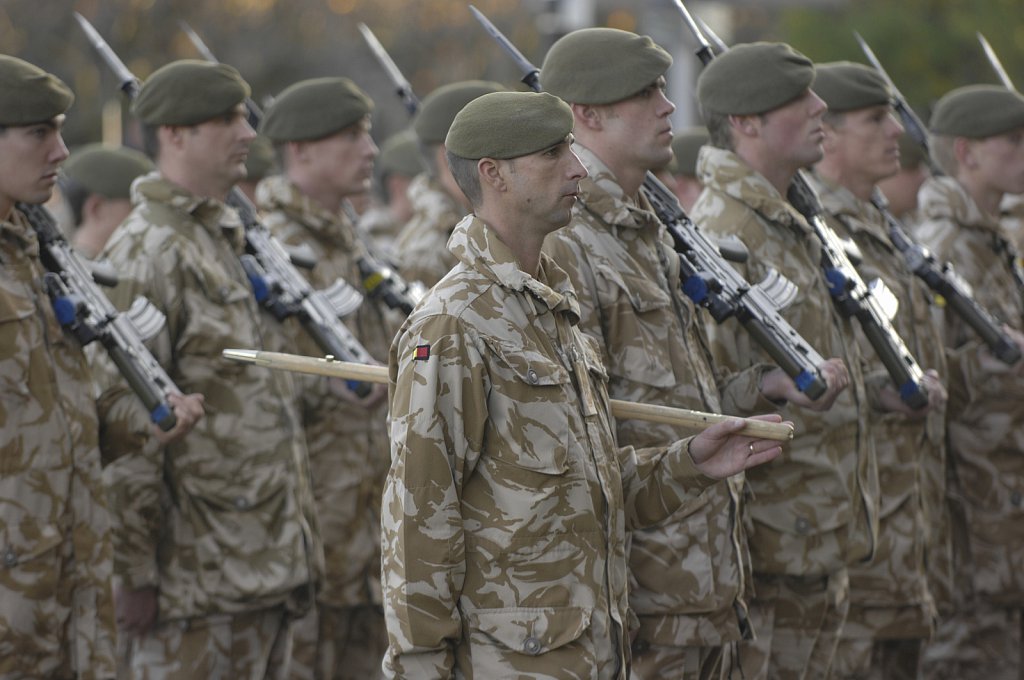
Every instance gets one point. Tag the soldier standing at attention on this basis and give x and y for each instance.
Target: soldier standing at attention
(508, 500)
(687, 573)
(321, 128)
(96, 184)
(56, 607)
(215, 535)
(892, 611)
(814, 512)
(978, 141)
(437, 202)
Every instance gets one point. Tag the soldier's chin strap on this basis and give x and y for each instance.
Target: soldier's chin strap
(329, 366)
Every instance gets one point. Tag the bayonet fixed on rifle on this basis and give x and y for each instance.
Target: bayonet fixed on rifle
(997, 65)
(82, 308)
(276, 283)
(707, 279)
(940, 277)
(402, 86)
(872, 306)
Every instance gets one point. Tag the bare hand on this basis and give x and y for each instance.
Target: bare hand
(778, 386)
(188, 409)
(339, 388)
(890, 400)
(992, 364)
(136, 609)
(720, 452)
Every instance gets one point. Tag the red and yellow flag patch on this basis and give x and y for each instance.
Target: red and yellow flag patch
(422, 353)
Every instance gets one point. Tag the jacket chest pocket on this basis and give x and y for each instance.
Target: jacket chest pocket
(638, 319)
(529, 409)
(220, 313)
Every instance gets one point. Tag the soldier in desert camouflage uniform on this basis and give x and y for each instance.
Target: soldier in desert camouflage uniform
(322, 129)
(682, 171)
(979, 142)
(508, 500)
(687, 574)
(56, 607)
(215, 535)
(901, 189)
(438, 203)
(891, 607)
(815, 511)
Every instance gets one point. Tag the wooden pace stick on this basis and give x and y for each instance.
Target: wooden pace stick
(695, 420)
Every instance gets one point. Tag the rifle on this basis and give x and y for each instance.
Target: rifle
(276, 283)
(850, 294)
(88, 314)
(940, 277)
(707, 279)
(697, 420)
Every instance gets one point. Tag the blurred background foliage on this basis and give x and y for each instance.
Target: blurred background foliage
(928, 46)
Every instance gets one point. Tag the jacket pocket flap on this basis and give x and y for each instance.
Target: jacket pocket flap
(532, 631)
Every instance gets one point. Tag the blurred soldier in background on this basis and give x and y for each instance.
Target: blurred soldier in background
(978, 141)
(96, 184)
(321, 128)
(396, 167)
(438, 203)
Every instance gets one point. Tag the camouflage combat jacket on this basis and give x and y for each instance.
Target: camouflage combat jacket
(814, 510)
(222, 520)
(508, 501)
(986, 410)
(56, 610)
(911, 453)
(686, 574)
(422, 245)
(348, 445)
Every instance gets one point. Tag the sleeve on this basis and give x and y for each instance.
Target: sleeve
(437, 400)
(133, 458)
(657, 481)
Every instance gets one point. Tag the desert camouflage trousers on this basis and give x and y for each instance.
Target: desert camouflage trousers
(338, 643)
(250, 646)
(654, 662)
(797, 621)
(978, 641)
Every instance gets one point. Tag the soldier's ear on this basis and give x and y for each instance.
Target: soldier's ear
(588, 117)
(491, 173)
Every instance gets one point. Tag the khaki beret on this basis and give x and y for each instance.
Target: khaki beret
(978, 111)
(602, 65)
(400, 155)
(189, 92)
(260, 161)
(508, 125)
(847, 86)
(107, 171)
(685, 146)
(30, 94)
(439, 107)
(314, 109)
(754, 78)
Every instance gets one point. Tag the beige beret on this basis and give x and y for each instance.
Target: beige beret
(508, 125)
(189, 92)
(30, 94)
(754, 78)
(847, 86)
(440, 107)
(315, 108)
(978, 111)
(107, 171)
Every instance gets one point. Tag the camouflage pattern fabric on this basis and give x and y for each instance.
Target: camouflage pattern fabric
(348, 445)
(422, 244)
(381, 229)
(252, 646)
(687, 574)
(508, 501)
(986, 440)
(221, 521)
(346, 643)
(911, 453)
(56, 608)
(814, 510)
(1012, 218)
